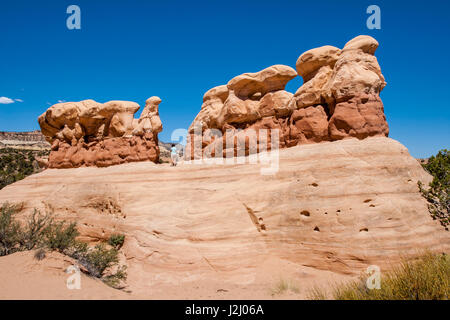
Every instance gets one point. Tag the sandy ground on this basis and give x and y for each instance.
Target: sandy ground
(25, 277)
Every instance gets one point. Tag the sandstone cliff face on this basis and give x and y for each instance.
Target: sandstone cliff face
(338, 99)
(32, 140)
(22, 136)
(332, 207)
(88, 133)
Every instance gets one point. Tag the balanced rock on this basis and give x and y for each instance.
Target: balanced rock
(88, 133)
(339, 98)
(312, 60)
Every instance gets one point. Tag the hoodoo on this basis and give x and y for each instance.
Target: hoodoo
(88, 133)
(339, 98)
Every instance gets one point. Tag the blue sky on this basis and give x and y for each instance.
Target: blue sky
(177, 50)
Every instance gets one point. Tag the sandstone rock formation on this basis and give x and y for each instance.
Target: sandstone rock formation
(88, 133)
(333, 208)
(339, 98)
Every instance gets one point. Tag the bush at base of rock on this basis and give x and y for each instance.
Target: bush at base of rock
(40, 231)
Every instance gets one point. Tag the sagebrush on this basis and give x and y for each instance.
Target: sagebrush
(41, 232)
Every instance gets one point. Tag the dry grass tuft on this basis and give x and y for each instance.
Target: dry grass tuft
(424, 278)
(283, 286)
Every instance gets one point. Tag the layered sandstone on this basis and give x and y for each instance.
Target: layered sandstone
(88, 133)
(30, 136)
(339, 99)
(32, 140)
(332, 208)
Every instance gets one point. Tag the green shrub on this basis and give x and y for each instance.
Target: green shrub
(34, 232)
(78, 250)
(99, 259)
(10, 236)
(59, 236)
(40, 231)
(426, 278)
(16, 237)
(438, 191)
(116, 240)
(114, 279)
(17, 164)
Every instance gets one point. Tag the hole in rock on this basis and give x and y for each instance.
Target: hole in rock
(367, 200)
(305, 213)
(327, 110)
(372, 205)
(314, 184)
(317, 229)
(364, 229)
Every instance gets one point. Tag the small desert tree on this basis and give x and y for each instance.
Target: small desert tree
(437, 194)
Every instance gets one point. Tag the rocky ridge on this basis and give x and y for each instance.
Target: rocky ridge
(32, 140)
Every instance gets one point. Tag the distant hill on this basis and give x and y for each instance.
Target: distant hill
(31, 140)
(35, 140)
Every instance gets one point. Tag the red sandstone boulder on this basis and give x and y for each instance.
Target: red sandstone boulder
(362, 116)
(88, 133)
(309, 125)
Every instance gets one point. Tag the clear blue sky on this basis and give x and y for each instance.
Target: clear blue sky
(177, 50)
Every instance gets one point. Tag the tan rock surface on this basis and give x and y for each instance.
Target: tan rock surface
(273, 78)
(332, 209)
(213, 101)
(365, 43)
(312, 60)
(252, 96)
